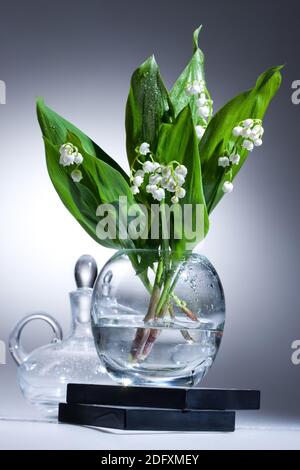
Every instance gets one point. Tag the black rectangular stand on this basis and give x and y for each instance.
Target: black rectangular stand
(169, 398)
(155, 409)
(147, 420)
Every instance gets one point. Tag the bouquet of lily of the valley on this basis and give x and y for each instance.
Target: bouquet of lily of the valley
(182, 159)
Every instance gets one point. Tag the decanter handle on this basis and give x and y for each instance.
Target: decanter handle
(15, 346)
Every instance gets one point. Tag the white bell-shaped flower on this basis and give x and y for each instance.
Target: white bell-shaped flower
(150, 188)
(237, 131)
(66, 159)
(159, 194)
(235, 158)
(203, 111)
(144, 148)
(223, 161)
(180, 180)
(202, 100)
(148, 167)
(78, 159)
(138, 180)
(155, 179)
(248, 145)
(247, 122)
(134, 190)
(181, 170)
(199, 131)
(195, 88)
(139, 173)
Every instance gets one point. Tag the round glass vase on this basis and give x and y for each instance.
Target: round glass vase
(154, 326)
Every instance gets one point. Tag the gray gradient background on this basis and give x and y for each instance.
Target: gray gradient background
(80, 56)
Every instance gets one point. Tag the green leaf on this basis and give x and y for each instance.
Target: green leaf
(101, 184)
(193, 71)
(148, 105)
(218, 135)
(56, 129)
(179, 142)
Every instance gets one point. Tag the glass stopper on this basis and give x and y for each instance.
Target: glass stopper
(85, 271)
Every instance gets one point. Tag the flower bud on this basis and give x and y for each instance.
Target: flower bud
(76, 176)
(180, 192)
(227, 187)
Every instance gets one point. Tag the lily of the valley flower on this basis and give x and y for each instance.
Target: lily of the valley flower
(78, 159)
(247, 122)
(149, 167)
(194, 88)
(159, 179)
(237, 131)
(202, 100)
(144, 148)
(134, 190)
(223, 161)
(248, 145)
(204, 111)
(181, 170)
(251, 131)
(180, 193)
(227, 187)
(159, 194)
(69, 155)
(76, 176)
(200, 131)
(235, 158)
(138, 180)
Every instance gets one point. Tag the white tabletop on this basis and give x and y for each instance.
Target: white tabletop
(50, 436)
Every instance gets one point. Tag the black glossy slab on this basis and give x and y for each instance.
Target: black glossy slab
(146, 419)
(170, 398)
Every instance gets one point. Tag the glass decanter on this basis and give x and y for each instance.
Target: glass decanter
(44, 373)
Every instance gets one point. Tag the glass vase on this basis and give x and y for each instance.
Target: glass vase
(154, 326)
